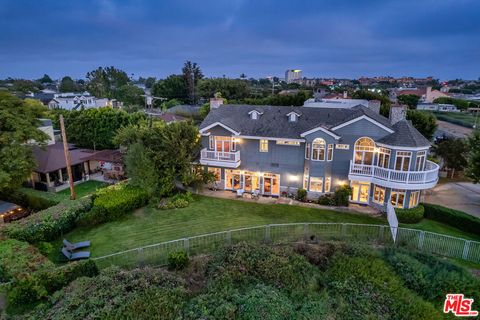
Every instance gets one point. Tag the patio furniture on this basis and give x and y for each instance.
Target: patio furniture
(240, 193)
(75, 255)
(74, 246)
(256, 194)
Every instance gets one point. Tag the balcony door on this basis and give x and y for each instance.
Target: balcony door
(222, 144)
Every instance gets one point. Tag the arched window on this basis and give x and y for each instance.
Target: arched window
(364, 151)
(318, 149)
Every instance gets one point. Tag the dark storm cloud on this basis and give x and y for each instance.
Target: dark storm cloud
(324, 38)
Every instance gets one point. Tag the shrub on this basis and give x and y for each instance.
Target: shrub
(31, 288)
(18, 257)
(302, 195)
(454, 218)
(412, 215)
(113, 202)
(180, 200)
(177, 260)
(342, 195)
(327, 200)
(49, 224)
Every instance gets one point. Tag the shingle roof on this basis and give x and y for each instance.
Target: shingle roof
(52, 157)
(274, 121)
(405, 135)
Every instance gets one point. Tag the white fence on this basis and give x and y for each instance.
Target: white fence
(428, 242)
(392, 221)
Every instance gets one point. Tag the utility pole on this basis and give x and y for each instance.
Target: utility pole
(68, 160)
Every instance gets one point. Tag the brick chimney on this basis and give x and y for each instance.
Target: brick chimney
(374, 105)
(398, 113)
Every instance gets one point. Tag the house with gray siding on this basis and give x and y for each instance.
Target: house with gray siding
(276, 150)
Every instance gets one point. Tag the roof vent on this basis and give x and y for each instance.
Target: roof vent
(255, 114)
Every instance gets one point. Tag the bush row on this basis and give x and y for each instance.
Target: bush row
(412, 215)
(33, 287)
(454, 218)
(49, 224)
(180, 200)
(339, 198)
(113, 202)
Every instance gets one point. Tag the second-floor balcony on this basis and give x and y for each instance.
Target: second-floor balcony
(408, 180)
(220, 158)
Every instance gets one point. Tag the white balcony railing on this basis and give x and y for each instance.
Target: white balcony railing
(220, 158)
(396, 178)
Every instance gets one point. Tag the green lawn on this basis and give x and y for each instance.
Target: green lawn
(206, 215)
(84, 188)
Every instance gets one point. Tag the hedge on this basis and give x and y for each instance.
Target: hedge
(113, 202)
(31, 288)
(18, 257)
(412, 215)
(452, 217)
(49, 224)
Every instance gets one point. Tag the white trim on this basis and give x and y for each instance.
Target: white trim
(333, 148)
(400, 148)
(361, 118)
(409, 161)
(321, 129)
(205, 134)
(270, 138)
(256, 111)
(221, 125)
(298, 115)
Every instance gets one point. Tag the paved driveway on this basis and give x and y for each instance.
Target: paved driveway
(462, 196)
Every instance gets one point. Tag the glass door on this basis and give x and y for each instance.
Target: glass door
(360, 191)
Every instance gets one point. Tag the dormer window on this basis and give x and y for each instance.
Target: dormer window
(293, 116)
(255, 114)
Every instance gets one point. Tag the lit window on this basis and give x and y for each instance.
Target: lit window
(318, 149)
(379, 195)
(414, 198)
(364, 151)
(330, 152)
(328, 182)
(402, 161)
(383, 157)
(263, 145)
(316, 184)
(307, 151)
(397, 198)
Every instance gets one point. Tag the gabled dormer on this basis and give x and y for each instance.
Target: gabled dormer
(255, 114)
(293, 116)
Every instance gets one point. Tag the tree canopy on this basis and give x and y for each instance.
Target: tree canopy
(173, 87)
(411, 100)
(230, 88)
(191, 74)
(67, 84)
(424, 122)
(19, 127)
(473, 160)
(130, 95)
(103, 82)
(453, 152)
(161, 155)
(96, 128)
(45, 79)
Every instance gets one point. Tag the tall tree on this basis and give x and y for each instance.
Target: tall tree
(191, 74)
(19, 127)
(473, 160)
(103, 82)
(453, 152)
(45, 79)
(130, 95)
(173, 87)
(230, 88)
(67, 84)
(411, 100)
(424, 122)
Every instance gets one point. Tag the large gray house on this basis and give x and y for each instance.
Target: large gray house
(276, 149)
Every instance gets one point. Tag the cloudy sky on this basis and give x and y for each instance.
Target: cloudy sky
(339, 38)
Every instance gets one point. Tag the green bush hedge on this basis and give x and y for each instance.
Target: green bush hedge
(301, 195)
(49, 224)
(19, 257)
(454, 218)
(31, 288)
(412, 215)
(180, 200)
(113, 202)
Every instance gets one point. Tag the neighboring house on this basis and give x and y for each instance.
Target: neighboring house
(165, 116)
(426, 94)
(277, 149)
(342, 103)
(437, 107)
(74, 101)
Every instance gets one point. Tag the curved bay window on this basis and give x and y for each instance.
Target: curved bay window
(364, 151)
(318, 149)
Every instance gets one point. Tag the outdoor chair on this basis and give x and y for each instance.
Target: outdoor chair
(240, 193)
(72, 256)
(74, 246)
(255, 194)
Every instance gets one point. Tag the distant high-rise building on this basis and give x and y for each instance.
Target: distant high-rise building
(293, 75)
